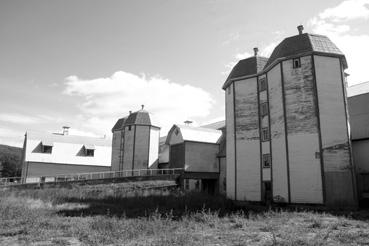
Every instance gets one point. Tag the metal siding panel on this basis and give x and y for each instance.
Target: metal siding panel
(201, 157)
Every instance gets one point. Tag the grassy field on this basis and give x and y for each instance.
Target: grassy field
(89, 216)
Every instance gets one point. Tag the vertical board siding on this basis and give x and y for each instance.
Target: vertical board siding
(230, 181)
(115, 152)
(141, 157)
(247, 141)
(279, 161)
(302, 130)
(128, 148)
(335, 143)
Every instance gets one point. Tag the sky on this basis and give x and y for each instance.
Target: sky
(87, 63)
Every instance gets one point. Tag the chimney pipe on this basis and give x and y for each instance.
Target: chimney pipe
(188, 122)
(66, 130)
(142, 107)
(256, 50)
(130, 112)
(300, 28)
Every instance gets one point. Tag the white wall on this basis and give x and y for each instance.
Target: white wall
(248, 169)
(279, 158)
(230, 185)
(67, 153)
(154, 146)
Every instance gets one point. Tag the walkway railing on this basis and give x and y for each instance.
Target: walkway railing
(91, 176)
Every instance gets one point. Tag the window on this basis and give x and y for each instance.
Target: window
(265, 134)
(197, 185)
(262, 84)
(176, 132)
(187, 184)
(264, 109)
(296, 63)
(129, 128)
(266, 160)
(90, 152)
(47, 149)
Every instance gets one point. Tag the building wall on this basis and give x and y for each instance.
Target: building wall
(116, 160)
(201, 157)
(334, 132)
(359, 116)
(230, 142)
(302, 133)
(68, 153)
(129, 138)
(141, 151)
(248, 174)
(222, 176)
(154, 147)
(38, 169)
(280, 181)
(177, 155)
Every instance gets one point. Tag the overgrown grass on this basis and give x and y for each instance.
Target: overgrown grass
(81, 217)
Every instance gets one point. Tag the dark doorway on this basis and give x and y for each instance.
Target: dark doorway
(267, 188)
(208, 186)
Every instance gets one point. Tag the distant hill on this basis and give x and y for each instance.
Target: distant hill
(10, 159)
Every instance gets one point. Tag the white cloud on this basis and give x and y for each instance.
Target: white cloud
(347, 10)
(19, 118)
(336, 23)
(104, 100)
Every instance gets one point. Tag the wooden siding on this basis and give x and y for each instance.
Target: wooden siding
(141, 158)
(334, 131)
(177, 156)
(230, 143)
(222, 176)
(279, 158)
(302, 130)
(201, 157)
(116, 150)
(36, 169)
(248, 180)
(128, 147)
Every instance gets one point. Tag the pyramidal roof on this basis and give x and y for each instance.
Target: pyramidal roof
(140, 117)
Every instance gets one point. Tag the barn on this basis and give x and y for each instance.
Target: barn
(196, 150)
(51, 154)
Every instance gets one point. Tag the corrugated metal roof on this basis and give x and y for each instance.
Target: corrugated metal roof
(197, 134)
(46, 137)
(358, 89)
(304, 43)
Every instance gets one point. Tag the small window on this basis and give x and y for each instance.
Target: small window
(47, 149)
(197, 185)
(264, 109)
(262, 84)
(176, 132)
(129, 128)
(265, 134)
(187, 184)
(90, 152)
(266, 160)
(296, 63)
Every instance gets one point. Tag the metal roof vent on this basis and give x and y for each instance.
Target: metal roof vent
(66, 130)
(300, 28)
(256, 50)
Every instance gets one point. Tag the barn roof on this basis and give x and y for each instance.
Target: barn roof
(358, 89)
(119, 125)
(216, 125)
(51, 138)
(197, 134)
(248, 66)
(303, 43)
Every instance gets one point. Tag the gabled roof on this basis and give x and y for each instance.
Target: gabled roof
(119, 125)
(303, 43)
(140, 117)
(51, 138)
(196, 134)
(245, 67)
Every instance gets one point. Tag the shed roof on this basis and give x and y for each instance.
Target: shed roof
(50, 138)
(302, 43)
(197, 134)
